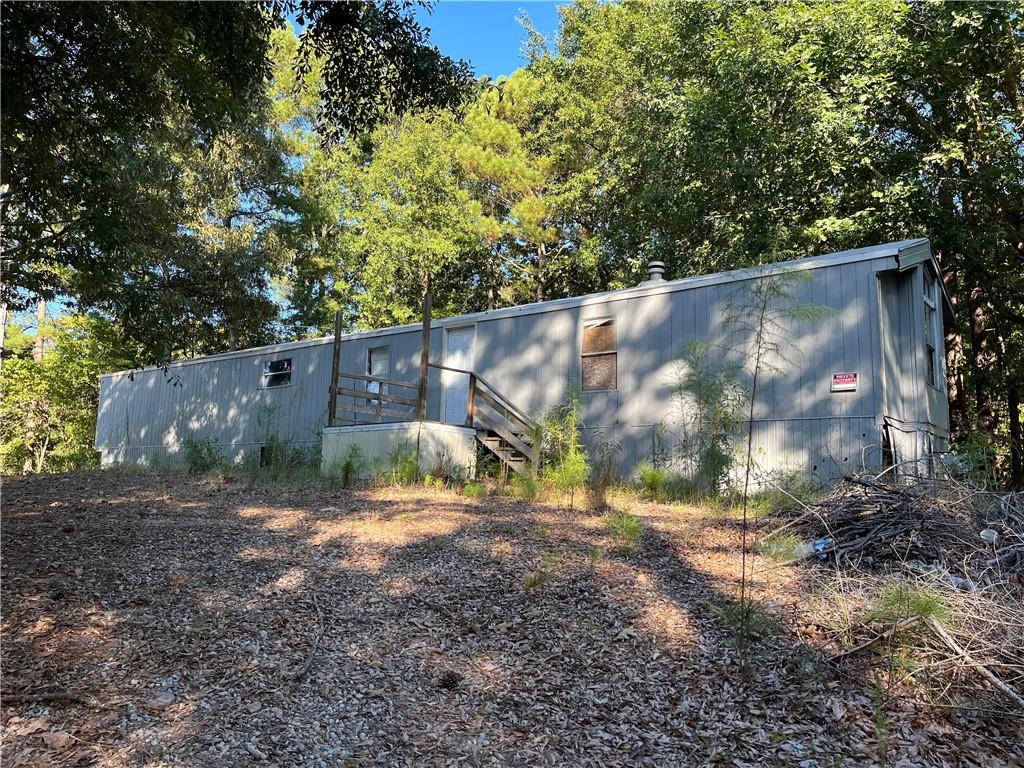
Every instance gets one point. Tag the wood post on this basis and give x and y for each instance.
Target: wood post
(425, 354)
(332, 408)
(471, 401)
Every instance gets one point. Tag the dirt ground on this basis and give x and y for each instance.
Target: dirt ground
(168, 620)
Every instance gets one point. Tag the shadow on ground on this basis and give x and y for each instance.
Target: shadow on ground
(204, 622)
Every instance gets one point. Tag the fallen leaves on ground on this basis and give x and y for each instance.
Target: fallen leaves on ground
(177, 611)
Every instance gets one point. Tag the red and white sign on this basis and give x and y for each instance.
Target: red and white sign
(844, 382)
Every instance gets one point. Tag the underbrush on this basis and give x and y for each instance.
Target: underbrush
(921, 583)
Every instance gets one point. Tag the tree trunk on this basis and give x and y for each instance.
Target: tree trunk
(39, 347)
(1013, 393)
(3, 331)
(982, 364)
(232, 337)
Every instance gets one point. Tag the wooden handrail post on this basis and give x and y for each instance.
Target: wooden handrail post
(471, 402)
(421, 411)
(332, 408)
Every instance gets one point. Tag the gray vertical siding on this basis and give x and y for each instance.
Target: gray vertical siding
(871, 324)
(151, 413)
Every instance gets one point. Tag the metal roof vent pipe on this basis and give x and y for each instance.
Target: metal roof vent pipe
(655, 272)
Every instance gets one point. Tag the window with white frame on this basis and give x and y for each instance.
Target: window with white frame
(378, 363)
(276, 373)
(598, 356)
(932, 346)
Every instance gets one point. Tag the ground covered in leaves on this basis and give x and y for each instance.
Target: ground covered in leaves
(168, 620)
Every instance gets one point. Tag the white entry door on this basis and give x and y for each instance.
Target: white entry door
(458, 353)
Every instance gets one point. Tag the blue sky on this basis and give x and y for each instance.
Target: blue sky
(485, 32)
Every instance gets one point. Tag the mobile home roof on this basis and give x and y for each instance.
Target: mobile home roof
(904, 253)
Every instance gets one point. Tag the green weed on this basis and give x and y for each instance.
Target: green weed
(351, 465)
(527, 487)
(543, 574)
(627, 528)
(782, 547)
(473, 490)
(202, 456)
(900, 601)
(746, 620)
(654, 481)
(404, 468)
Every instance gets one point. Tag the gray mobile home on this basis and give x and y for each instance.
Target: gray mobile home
(860, 385)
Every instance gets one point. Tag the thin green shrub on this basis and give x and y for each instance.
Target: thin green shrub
(527, 487)
(604, 472)
(202, 456)
(473, 490)
(900, 600)
(447, 470)
(404, 467)
(782, 547)
(654, 481)
(709, 398)
(627, 528)
(568, 467)
(351, 465)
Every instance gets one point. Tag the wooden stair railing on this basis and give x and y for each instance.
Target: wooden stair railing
(373, 403)
(500, 426)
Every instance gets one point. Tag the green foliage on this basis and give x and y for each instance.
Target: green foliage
(543, 574)
(709, 398)
(746, 619)
(279, 460)
(202, 456)
(110, 101)
(527, 487)
(404, 468)
(48, 408)
(352, 464)
(473, 491)
(625, 527)
(654, 481)
(447, 471)
(604, 471)
(900, 600)
(567, 466)
(783, 547)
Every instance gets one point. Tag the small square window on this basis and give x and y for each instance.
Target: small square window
(277, 373)
(598, 356)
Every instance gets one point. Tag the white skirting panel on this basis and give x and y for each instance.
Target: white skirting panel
(438, 445)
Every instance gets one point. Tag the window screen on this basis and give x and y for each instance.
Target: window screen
(277, 373)
(599, 360)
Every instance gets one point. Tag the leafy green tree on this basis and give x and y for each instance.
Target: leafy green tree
(320, 273)
(510, 180)
(713, 135)
(86, 88)
(412, 221)
(101, 98)
(48, 407)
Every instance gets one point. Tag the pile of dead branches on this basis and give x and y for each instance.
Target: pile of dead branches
(933, 569)
(974, 535)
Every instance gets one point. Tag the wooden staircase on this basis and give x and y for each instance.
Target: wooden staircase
(500, 426)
